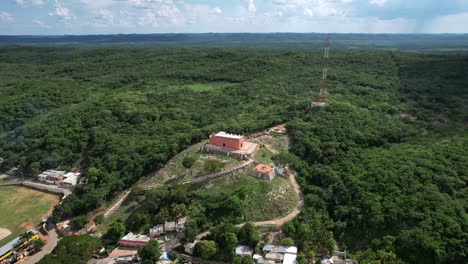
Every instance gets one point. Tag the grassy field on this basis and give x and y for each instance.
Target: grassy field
(22, 208)
(267, 200)
(174, 168)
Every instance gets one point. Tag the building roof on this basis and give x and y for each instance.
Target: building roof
(242, 250)
(283, 249)
(268, 247)
(136, 238)
(289, 258)
(12, 244)
(72, 178)
(263, 168)
(191, 245)
(274, 256)
(227, 135)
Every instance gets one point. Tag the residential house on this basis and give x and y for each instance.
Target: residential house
(188, 248)
(133, 240)
(244, 251)
(156, 230)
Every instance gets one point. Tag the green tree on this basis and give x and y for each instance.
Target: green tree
(212, 166)
(249, 235)
(191, 230)
(150, 253)
(287, 242)
(73, 249)
(208, 249)
(188, 161)
(98, 219)
(115, 232)
(77, 223)
(38, 244)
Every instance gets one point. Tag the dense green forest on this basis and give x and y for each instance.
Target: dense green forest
(383, 169)
(307, 41)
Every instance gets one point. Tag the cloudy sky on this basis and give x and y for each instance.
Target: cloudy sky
(161, 16)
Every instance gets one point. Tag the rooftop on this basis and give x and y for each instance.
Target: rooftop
(133, 237)
(241, 250)
(263, 168)
(227, 135)
(289, 258)
(12, 244)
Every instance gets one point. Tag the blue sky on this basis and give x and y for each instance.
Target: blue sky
(161, 16)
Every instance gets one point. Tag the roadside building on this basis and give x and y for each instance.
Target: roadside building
(244, 251)
(18, 246)
(170, 226)
(51, 176)
(289, 258)
(227, 141)
(284, 250)
(156, 230)
(132, 240)
(188, 248)
(180, 224)
(263, 171)
(274, 256)
(71, 179)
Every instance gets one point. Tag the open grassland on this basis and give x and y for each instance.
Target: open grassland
(175, 170)
(265, 200)
(23, 208)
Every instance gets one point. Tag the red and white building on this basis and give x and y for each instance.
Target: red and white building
(132, 240)
(227, 141)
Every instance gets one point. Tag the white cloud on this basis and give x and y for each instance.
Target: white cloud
(251, 8)
(455, 23)
(62, 12)
(40, 24)
(105, 17)
(378, 2)
(29, 2)
(6, 17)
(216, 11)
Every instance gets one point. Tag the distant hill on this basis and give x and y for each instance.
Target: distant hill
(407, 42)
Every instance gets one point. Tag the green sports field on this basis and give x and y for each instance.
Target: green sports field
(23, 208)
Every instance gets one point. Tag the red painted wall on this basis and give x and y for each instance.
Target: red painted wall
(229, 143)
(130, 243)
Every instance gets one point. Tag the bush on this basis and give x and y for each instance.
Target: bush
(78, 222)
(287, 242)
(99, 219)
(188, 161)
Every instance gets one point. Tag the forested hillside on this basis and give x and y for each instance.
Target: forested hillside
(383, 169)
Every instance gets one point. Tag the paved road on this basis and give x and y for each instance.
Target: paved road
(52, 240)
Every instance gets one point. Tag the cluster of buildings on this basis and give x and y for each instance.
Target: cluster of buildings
(18, 248)
(168, 227)
(158, 232)
(271, 254)
(63, 178)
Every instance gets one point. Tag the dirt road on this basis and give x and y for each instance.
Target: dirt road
(117, 204)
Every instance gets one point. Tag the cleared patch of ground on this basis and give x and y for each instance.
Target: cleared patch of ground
(23, 208)
(4, 233)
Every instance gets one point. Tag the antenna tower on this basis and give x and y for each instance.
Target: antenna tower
(322, 99)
